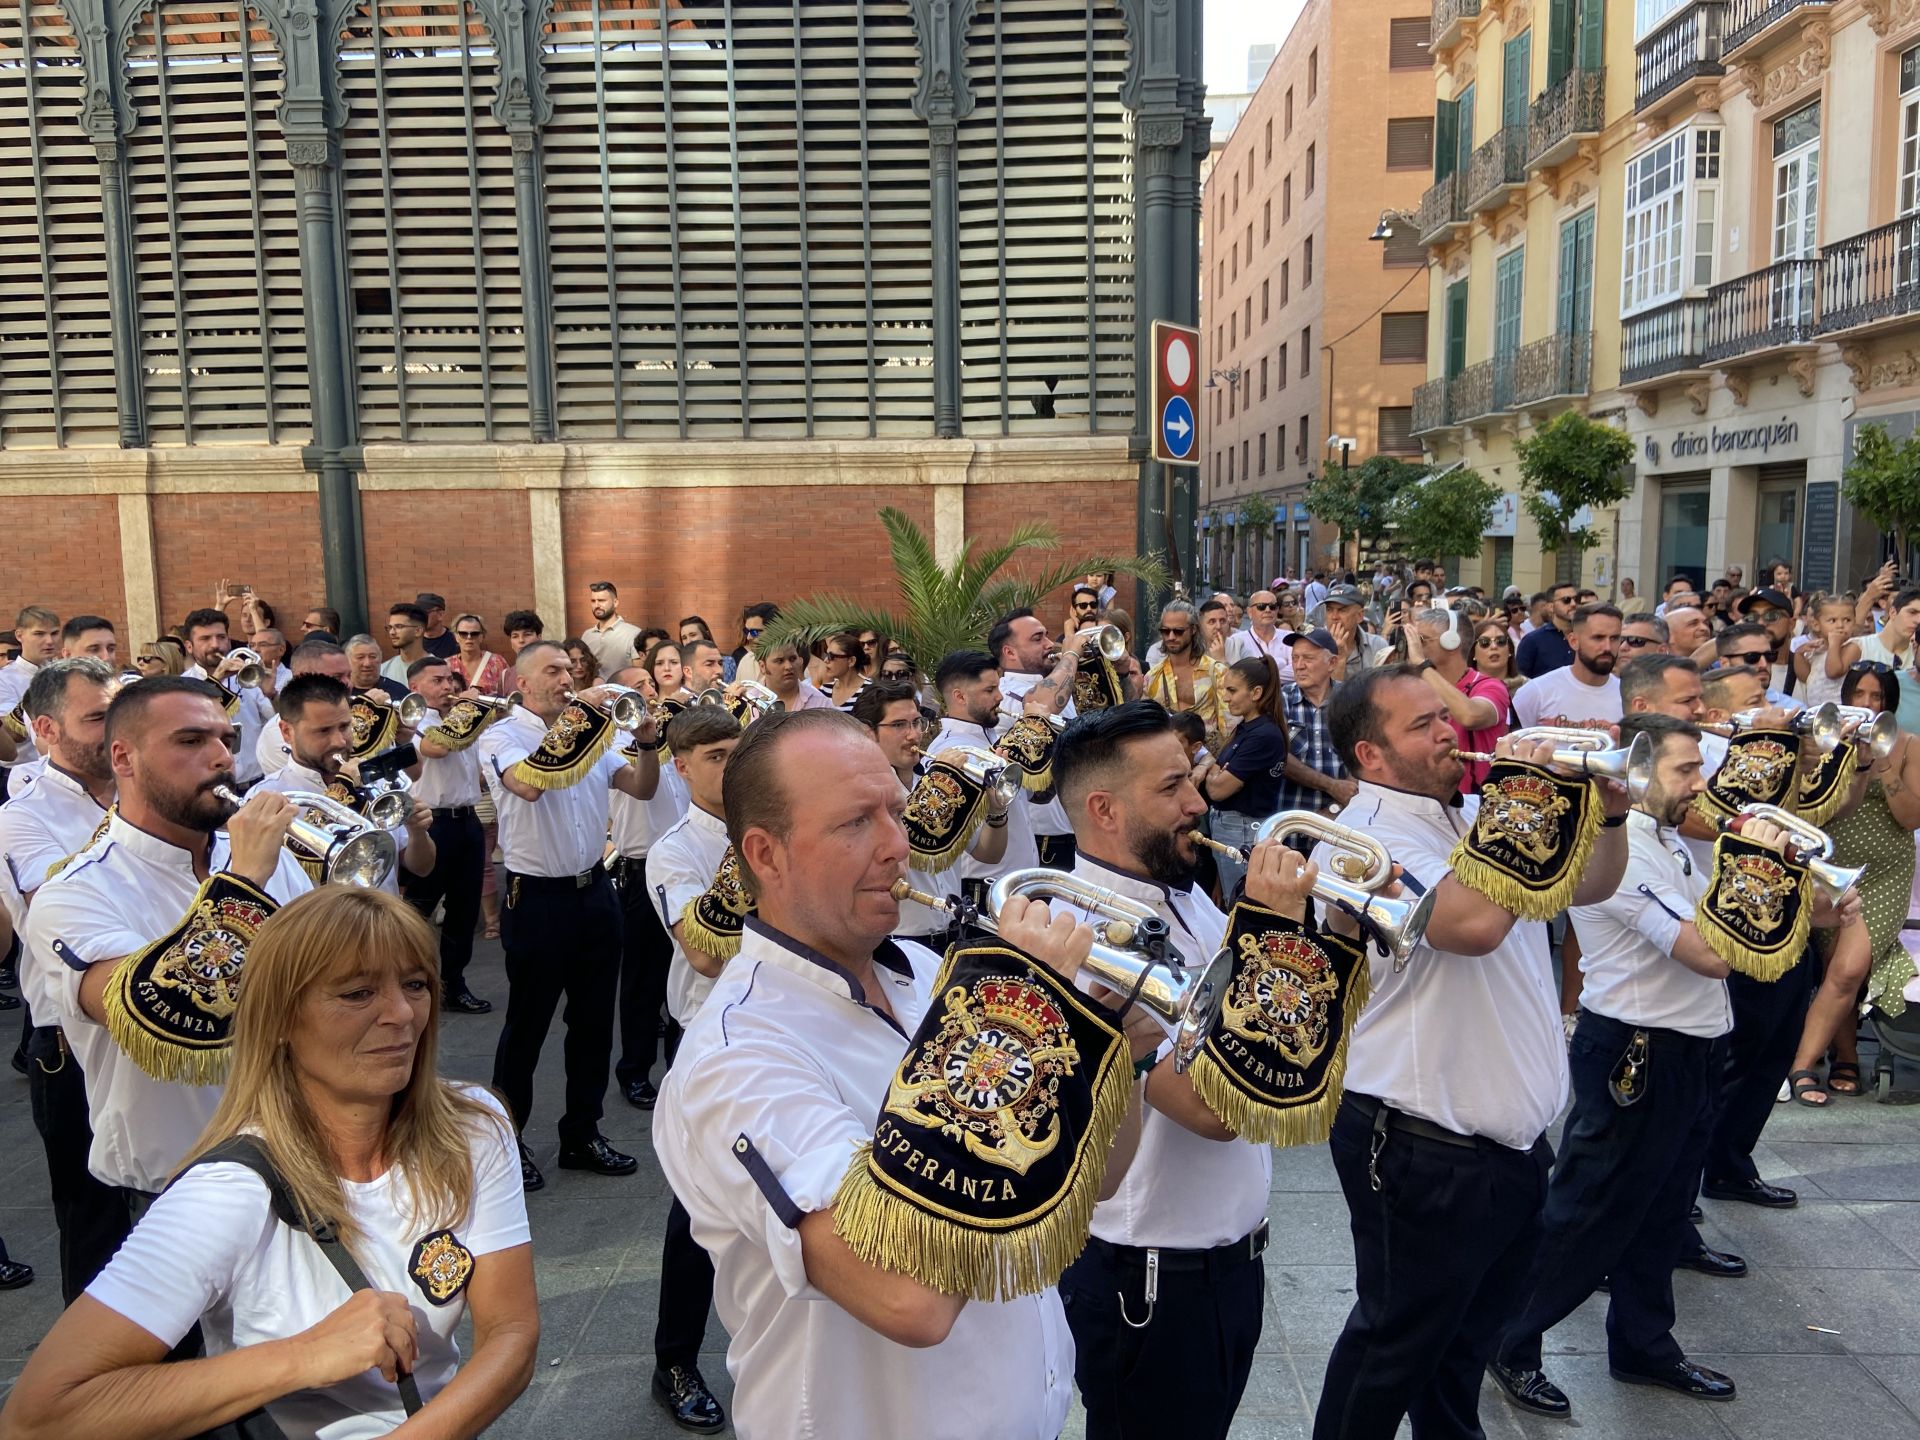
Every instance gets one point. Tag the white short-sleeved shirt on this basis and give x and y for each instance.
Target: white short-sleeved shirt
(639, 824)
(15, 676)
(294, 776)
(1473, 1043)
(787, 1057)
(211, 1252)
(917, 919)
(55, 819)
(1245, 644)
(564, 832)
(1049, 817)
(1626, 941)
(448, 782)
(1561, 692)
(122, 895)
(1182, 1192)
(1021, 852)
(1713, 754)
(21, 777)
(681, 865)
(271, 749)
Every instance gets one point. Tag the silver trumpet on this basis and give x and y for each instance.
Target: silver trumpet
(1103, 640)
(984, 768)
(1358, 870)
(388, 803)
(1591, 752)
(253, 669)
(1823, 722)
(1124, 959)
(1877, 734)
(757, 699)
(628, 707)
(1814, 849)
(413, 711)
(352, 850)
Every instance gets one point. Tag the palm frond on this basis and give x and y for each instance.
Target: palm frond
(818, 616)
(1028, 591)
(921, 577)
(980, 569)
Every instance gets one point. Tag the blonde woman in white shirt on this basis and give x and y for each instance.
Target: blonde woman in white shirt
(333, 1077)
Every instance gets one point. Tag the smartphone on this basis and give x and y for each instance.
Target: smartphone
(389, 763)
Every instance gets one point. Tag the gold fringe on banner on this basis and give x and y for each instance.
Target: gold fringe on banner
(1538, 820)
(1824, 791)
(461, 725)
(375, 723)
(1028, 747)
(715, 919)
(15, 721)
(571, 747)
(947, 1252)
(1758, 910)
(945, 810)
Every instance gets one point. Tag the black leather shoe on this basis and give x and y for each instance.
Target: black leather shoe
(1751, 1192)
(467, 1003)
(530, 1177)
(1715, 1263)
(1531, 1391)
(641, 1094)
(598, 1156)
(9, 1002)
(1683, 1376)
(685, 1396)
(14, 1274)
(1696, 1214)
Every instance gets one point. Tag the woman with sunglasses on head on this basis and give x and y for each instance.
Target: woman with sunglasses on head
(754, 621)
(333, 1082)
(1875, 829)
(478, 668)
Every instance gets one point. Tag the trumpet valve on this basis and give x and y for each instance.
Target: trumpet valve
(1118, 932)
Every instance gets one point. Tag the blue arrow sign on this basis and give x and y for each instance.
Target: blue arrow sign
(1176, 427)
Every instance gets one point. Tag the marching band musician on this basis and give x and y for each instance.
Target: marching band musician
(316, 722)
(38, 630)
(560, 922)
(1166, 1300)
(680, 866)
(1021, 649)
(971, 688)
(66, 705)
(891, 710)
(777, 1086)
(178, 874)
(82, 637)
(1454, 1071)
(310, 657)
(449, 789)
(1644, 1060)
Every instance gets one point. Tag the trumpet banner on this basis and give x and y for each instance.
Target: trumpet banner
(1759, 770)
(989, 1152)
(15, 721)
(1531, 839)
(945, 810)
(1028, 746)
(1096, 686)
(714, 919)
(170, 1004)
(1823, 789)
(1758, 909)
(375, 723)
(576, 739)
(461, 725)
(1274, 1066)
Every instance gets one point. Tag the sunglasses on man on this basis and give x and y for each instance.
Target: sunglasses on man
(1750, 657)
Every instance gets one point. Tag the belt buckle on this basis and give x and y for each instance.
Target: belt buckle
(1257, 1241)
(583, 880)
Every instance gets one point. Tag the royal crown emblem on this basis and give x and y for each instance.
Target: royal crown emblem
(1524, 810)
(441, 1266)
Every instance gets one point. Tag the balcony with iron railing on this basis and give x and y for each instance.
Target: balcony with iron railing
(1668, 340)
(1771, 309)
(1430, 406)
(1449, 20)
(1870, 280)
(1685, 47)
(1573, 110)
(1474, 394)
(1441, 211)
(1749, 20)
(1558, 367)
(1496, 169)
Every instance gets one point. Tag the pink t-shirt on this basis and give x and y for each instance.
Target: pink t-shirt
(1476, 686)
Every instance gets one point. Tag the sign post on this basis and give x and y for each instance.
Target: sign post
(1176, 394)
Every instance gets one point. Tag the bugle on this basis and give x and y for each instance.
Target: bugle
(1106, 641)
(1814, 850)
(1822, 722)
(1590, 752)
(753, 698)
(252, 669)
(351, 849)
(991, 772)
(1129, 940)
(628, 707)
(1360, 868)
(1876, 733)
(413, 711)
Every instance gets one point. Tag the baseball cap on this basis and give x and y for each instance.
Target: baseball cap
(1345, 595)
(1321, 638)
(427, 600)
(1764, 597)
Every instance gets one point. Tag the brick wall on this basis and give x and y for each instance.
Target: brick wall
(712, 552)
(268, 540)
(468, 545)
(69, 561)
(1090, 519)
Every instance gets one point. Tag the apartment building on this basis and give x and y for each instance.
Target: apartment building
(1308, 329)
(1534, 121)
(1771, 296)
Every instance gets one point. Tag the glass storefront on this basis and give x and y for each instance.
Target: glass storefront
(1684, 502)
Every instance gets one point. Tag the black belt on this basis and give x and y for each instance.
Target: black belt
(586, 879)
(1401, 1123)
(453, 812)
(1244, 1251)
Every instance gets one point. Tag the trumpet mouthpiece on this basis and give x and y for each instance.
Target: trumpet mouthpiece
(901, 890)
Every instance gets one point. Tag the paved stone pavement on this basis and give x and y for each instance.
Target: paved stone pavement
(1846, 1261)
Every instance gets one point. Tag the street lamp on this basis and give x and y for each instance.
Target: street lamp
(1389, 220)
(1231, 376)
(1345, 445)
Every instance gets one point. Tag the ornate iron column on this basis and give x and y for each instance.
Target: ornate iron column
(943, 99)
(106, 118)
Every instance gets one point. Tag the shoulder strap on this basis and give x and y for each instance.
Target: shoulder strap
(248, 1151)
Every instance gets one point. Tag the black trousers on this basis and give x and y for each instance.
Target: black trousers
(646, 952)
(459, 862)
(1617, 1203)
(686, 1293)
(1442, 1249)
(1182, 1372)
(92, 1216)
(1767, 1020)
(560, 941)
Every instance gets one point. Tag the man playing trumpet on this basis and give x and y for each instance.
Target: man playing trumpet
(1454, 1071)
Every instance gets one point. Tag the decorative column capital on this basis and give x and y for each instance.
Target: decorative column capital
(940, 26)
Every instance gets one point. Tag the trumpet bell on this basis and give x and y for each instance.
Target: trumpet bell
(1106, 640)
(1000, 780)
(389, 808)
(252, 672)
(351, 851)
(1591, 753)
(1878, 734)
(413, 710)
